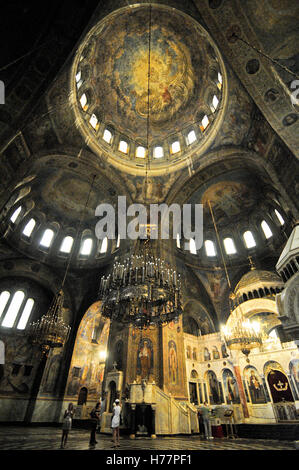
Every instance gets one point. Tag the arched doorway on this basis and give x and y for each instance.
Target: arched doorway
(82, 397)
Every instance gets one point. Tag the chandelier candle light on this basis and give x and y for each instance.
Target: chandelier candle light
(242, 334)
(143, 291)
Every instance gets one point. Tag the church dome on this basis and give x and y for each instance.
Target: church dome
(258, 279)
(111, 79)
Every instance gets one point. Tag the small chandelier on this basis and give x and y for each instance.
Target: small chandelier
(50, 331)
(242, 334)
(143, 291)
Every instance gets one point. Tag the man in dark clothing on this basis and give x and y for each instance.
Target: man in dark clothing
(95, 418)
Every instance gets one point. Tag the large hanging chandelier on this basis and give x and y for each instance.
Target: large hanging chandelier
(143, 290)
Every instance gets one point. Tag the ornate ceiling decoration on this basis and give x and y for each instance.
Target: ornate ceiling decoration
(109, 88)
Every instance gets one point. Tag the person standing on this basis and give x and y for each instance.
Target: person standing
(67, 424)
(206, 413)
(95, 418)
(115, 422)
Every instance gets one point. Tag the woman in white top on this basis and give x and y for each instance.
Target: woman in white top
(116, 422)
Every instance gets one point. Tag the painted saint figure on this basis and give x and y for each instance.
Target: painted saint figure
(172, 362)
(145, 358)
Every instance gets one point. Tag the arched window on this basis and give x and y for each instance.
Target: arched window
(214, 103)
(191, 137)
(266, 229)
(219, 80)
(22, 323)
(107, 136)
(16, 214)
(140, 152)
(47, 238)
(94, 121)
(229, 246)
(158, 152)
(123, 146)
(28, 229)
(249, 239)
(118, 241)
(66, 244)
(279, 217)
(104, 245)
(83, 102)
(204, 123)
(210, 248)
(13, 309)
(86, 247)
(3, 301)
(192, 246)
(175, 146)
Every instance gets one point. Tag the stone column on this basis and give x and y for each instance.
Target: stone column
(241, 390)
(133, 421)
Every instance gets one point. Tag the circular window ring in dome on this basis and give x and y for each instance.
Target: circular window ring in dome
(182, 54)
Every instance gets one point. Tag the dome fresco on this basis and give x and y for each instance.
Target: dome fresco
(112, 69)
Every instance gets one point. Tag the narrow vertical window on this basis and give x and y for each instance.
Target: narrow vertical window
(13, 309)
(249, 239)
(266, 229)
(279, 216)
(158, 152)
(47, 238)
(67, 244)
(140, 152)
(25, 314)
(192, 246)
(229, 246)
(175, 147)
(191, 137)
(29, 227)
(3, 301)
(107, 136)
(104, 245)
(210, 248)
(86, 247)
(16, 214)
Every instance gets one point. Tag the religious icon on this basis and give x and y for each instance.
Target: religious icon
(255, 386)
(213, 388)
(230, 386)
(145, 358)
(172, 362)
(294, 371)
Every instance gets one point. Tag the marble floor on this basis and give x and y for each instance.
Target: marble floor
(47, 438)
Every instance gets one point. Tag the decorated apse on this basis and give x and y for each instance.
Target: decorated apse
(86, 371)
(153, 355)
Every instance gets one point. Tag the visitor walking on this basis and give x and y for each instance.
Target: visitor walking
(95, 419)
(115, 422)
(67, 424)
(206, 413)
